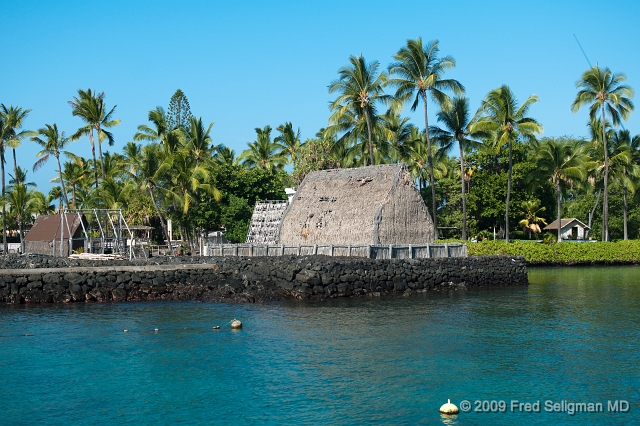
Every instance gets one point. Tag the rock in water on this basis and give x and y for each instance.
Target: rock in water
(449, 408)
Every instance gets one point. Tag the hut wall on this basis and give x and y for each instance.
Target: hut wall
(404, 219)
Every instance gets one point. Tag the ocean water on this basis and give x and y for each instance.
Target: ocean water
(571, 336)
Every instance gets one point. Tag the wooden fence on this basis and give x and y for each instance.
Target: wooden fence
(389, 251)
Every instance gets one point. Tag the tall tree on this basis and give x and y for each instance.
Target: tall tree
(606, 94)
(396, 134)
(11, 120)
(419, 71)
(501, 117)
(263, 153)
(563, 160)
(360, 87)
(288, 141)
(21, 205)
(52, 143)
(159, 130)
(625, 169)
(179, 114)
(456, 121)
(199, 141)
(91, 108)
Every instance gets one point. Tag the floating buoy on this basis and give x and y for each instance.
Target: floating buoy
(28, 334)
(185, 328)
(236, 324)
(215, 327)
(126, 331)
(449, 408)
(155, 329)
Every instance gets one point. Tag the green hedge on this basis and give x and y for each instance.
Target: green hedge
(566, 253)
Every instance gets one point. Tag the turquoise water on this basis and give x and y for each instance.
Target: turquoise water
(572, 335)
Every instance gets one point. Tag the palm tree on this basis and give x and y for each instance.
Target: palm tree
(11, 120)
(42, 203)
(501, 117)
(198, 140)
(360, 87)
(263, 153)
(563, 161)
(157, 133)
(21, 205)
(74, 172)
(530, 209)
(396, 135)
(225, 156)
(457, 129)
(52, 144)
(625, 171)
(147, 169)
(91, 108)
(605, 93)
(419, 72)
(288, 141)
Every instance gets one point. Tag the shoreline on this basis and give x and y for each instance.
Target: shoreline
(40, 279)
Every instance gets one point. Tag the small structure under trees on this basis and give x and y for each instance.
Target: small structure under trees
(50, 234)
(571, 229)
(365, 205)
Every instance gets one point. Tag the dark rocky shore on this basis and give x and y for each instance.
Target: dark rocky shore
(42, 279)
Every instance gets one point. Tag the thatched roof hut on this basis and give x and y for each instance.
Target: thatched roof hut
(365, 205)
(49, 231)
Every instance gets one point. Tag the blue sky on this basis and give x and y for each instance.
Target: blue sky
(253, 63)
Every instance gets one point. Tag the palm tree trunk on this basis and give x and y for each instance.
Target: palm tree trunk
(506, 210)
(591, 213)
(5, 247)
(559, 211)
(430, 158)
(464, 197)
(64, 190)
(164, 226)
(373, 162)
(73, 194)
(93, 153)
(624, 204)
(21, 227)
(15, 165)
(100, 152)
(605, 197)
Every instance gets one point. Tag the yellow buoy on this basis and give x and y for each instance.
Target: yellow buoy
(449, 408)
(236, 324)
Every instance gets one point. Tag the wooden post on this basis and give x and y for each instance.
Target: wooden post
(390, 251)
(315, 249)
(252, 250)
(349, 251)
(331, 248)
(410, 251)
(235, 250)
(369, 250)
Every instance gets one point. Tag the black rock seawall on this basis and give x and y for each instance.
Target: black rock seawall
(53, 280)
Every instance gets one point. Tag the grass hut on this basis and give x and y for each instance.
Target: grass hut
(365, 205)
(49, 232)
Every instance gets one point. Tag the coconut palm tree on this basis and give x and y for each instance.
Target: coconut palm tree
(625, 171)
(21, 205)
(198, 140)
(52, 143)
(360, 88)
(147, 169)
(456, 121)
(563, 161)
(530, 209)
(396, 134)
(288, 141)
(606, 95)
(157, 133)
(263, 153)
(225, 156)
(91, 108)
(419, 71)
(502, 118)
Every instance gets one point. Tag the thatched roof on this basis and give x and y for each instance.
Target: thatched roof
(365, 205)
(49, 227)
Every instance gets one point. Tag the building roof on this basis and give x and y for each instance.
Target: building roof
(47, 227)
(363, 205)
(565, 223)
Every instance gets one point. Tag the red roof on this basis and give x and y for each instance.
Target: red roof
(47, 227)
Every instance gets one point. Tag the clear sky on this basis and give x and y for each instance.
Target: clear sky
(246, 64)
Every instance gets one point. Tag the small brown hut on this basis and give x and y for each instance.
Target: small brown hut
(365, 205)
(44, 236)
